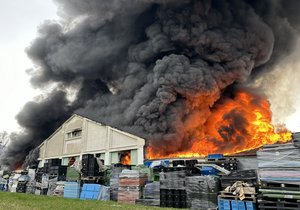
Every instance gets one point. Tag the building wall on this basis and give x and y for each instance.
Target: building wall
(94, 138)
(54, 147)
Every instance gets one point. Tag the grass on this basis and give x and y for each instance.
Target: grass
(23, 201)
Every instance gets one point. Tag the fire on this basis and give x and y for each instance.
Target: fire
(235, 125)
(126, 159)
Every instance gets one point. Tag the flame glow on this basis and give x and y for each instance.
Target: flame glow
(126, 159)
(235, 125)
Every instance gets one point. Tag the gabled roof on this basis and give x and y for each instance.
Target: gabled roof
(83, 117)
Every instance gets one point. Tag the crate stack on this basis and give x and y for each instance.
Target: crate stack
(151, 195)
(172, 188)
(90, 166)
(58, 172)
(59, 189)
(30, 186)
(22, 182)
(279, 176)
(202, 192)
(90, 192)
(296, 139)
(71, 190)
(44, 185)
(114, 180)
(51, 186)
(246, 176)
(130, 186)
(228, 163)
(238, 196)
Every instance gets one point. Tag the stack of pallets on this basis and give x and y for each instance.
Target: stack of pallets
(247, 176)
(296, 139)
(238, 196)
(228, 163)
(130, 186)
(114, 180)
(172, 188)
(151, 195)
(202, 192)
(279, 176)
(279, 196)
(71, 190)
(90, 192)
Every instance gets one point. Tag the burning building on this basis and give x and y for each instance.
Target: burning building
(79, 135)
(178, 73)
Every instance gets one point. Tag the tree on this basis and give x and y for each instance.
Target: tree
(4, 139)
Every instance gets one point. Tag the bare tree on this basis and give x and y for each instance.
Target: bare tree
(4, 139)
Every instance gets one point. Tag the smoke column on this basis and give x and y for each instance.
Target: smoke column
(149, 67)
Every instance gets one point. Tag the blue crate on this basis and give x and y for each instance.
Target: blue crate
(207, 170)
(215, 156)
(241, 205)
(234, 205)
(250, 205)
(224, 204)
(71, 193)
(89, 195)
(91, 187)
(147, 163)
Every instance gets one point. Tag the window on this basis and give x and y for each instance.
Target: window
(74, 134)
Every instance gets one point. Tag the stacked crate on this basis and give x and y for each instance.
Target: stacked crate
(71, 190)
(90, 192)
(21, 187)
(151, 195)
(202, 192)
(228, 163)
(130, 186)
(59, 189)
(58, 172)
(279, 176)
(51, 186)
(238, 196)
(247, 176)
(172, 188)
(296, 139)
(114, 180)
(90, 166)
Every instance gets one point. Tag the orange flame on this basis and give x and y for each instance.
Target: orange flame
(235, 125)
(126, 159)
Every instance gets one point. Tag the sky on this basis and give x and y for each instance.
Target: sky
(19, 20)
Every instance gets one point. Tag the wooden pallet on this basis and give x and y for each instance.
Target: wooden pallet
(278, 204)
(281, 186)
(230, 196)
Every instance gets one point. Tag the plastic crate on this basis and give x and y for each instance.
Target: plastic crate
(224, 204)
(207, 170)
(91, 187)
(250, 205)
(234, 204)
(90, 191)
(71, 190)
(215, 156)
(89, 195)
(242, 205)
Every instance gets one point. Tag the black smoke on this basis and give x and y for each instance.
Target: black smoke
(150, 67)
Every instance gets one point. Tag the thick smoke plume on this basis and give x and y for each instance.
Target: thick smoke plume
(149, 67)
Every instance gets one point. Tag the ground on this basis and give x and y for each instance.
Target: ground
(20, 201)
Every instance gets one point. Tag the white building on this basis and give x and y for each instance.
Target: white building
(80, 135)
